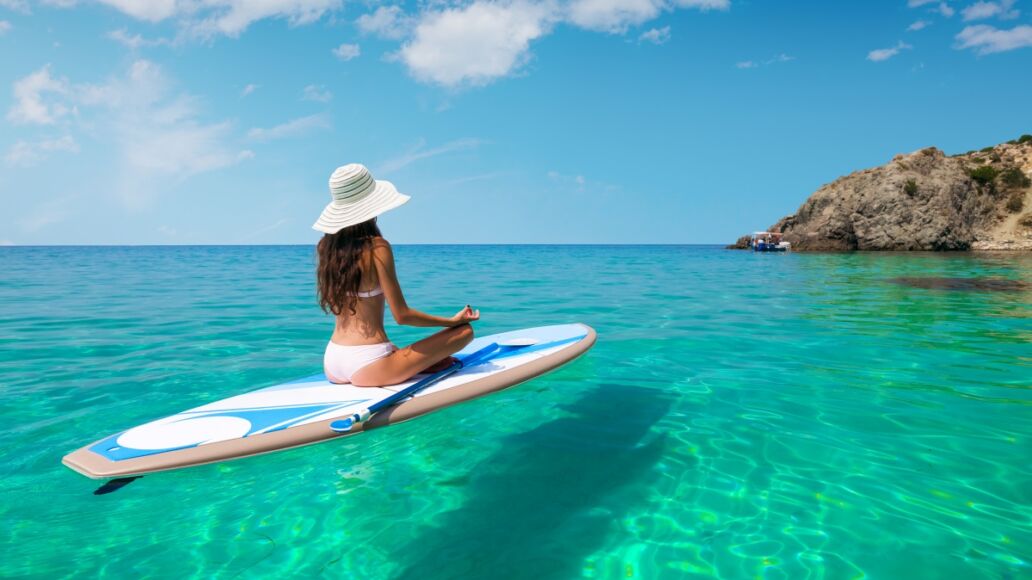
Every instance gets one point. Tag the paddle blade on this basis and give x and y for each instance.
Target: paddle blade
(342, 425)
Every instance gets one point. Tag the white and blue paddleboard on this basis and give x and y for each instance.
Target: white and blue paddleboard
(300, 412)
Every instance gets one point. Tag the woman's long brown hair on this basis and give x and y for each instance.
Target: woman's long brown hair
(339, 268)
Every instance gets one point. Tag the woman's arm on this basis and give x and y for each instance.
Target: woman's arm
(383, 258)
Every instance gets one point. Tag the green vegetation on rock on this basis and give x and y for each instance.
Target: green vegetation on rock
(1016, 202)
(983, 175)
(1014, 177)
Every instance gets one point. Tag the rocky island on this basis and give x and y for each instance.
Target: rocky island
(926, 200)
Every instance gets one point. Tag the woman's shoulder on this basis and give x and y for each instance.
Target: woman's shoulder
(381, 247)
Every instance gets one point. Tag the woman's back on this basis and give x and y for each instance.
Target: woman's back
(365, 324)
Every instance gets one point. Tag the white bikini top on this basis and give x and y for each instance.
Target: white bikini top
(370, 293)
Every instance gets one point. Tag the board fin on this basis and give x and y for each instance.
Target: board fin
(115, 485)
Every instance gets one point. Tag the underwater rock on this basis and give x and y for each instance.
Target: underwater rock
(962, 284)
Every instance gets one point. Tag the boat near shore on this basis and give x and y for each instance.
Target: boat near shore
(768, 242)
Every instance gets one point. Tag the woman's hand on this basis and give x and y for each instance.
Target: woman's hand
(464, 316)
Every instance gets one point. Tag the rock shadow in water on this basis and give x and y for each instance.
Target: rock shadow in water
(962, 284)
(549, 496)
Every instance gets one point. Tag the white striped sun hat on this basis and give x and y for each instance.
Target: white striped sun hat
(357, 197)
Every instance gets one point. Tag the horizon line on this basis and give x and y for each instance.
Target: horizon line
(393, 244)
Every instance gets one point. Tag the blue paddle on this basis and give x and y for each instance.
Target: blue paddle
(478, 357)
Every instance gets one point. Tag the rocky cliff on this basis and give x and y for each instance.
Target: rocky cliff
(927, 200)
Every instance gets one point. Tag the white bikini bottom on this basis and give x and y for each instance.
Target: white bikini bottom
(341, 362)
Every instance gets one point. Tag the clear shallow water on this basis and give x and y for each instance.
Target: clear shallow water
(742, 415)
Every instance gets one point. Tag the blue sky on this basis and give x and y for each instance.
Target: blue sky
(536, 121)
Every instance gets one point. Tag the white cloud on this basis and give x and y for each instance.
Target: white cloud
(704, 4)
(206, 18)
(778, 58)
(940, 6)
(155, 133)
(158, 132)
(4, 27)
(612, 15)
(291, 128)
(980, 10)
(420, 152)
(249, 89)
(576, 180)
(881, 54)
(149, 10)
(918, 25)
(16, 5)
(31, 99)
(134, 41)
(388, 22)
(149, 135)
(655, 35)
(1004, 10)
(26, 154)
(347, 52)
(122, 36)
(231, 17)
(475, 44)
(986, 39)
(317, 93)
(616, 16)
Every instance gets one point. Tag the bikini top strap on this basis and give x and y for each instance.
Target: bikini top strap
(370, 293)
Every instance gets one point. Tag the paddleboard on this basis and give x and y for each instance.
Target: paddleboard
(300, 412)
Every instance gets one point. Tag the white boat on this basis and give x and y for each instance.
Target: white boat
(768, 242)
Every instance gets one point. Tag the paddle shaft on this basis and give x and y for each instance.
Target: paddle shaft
(345, 425)
(403, 394)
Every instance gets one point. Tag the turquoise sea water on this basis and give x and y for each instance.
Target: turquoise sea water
(742, 416)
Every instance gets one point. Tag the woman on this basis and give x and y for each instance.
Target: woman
(356, 276)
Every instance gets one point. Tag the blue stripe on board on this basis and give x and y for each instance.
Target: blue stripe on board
(534, 348)
(260, 420)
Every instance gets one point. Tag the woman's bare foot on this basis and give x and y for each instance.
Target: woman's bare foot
(441, 365)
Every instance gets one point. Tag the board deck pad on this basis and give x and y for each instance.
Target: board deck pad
(298, 412)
